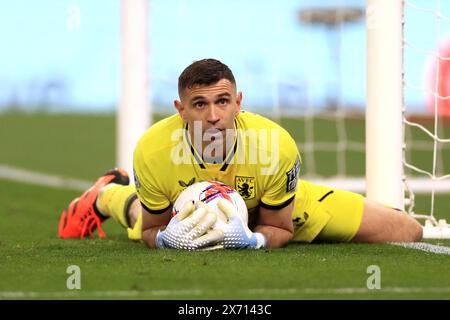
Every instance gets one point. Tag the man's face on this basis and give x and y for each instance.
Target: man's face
(214, 106)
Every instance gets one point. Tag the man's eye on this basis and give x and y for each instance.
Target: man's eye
(223, 101)
(199, 105)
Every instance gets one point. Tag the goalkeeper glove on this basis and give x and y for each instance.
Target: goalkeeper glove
(236, 234)
(186, 230)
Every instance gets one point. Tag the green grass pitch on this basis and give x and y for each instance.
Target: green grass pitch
(33, 261)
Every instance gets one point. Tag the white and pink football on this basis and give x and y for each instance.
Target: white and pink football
(210, 192)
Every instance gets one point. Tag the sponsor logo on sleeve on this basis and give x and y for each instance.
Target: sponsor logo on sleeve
(292, 177)
(136, 180)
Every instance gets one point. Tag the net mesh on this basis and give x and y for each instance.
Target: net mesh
(429, 135)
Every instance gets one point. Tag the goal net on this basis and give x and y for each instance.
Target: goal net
(428, 135)
(407, 108)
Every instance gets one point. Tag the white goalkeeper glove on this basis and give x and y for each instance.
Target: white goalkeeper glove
(187, 229)
(236, 234)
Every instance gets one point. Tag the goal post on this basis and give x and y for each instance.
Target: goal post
(386, 116)
(134, 113)
(384, 130)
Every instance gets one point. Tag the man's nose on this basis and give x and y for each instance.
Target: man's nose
(213, 116)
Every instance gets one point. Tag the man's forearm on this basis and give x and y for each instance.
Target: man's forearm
(275, 237)
(149, 236)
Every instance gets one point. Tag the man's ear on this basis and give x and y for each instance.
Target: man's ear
(179, 106)
(238, 102)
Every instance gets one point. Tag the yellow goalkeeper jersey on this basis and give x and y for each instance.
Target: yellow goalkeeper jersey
(263, 164)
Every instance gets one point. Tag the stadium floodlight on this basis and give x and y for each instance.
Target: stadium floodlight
(134, 114)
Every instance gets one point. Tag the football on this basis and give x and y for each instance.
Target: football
(210, 192)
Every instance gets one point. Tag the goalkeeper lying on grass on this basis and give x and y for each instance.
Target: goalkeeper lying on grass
(210, 138)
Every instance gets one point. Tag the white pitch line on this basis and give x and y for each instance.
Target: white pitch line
(198, 292)
(42, 179)
(423, 246)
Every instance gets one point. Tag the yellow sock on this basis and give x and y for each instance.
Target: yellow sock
(114, 201)
(135, 233)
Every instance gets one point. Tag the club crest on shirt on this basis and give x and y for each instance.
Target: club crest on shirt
(292, 177)
(246, 187)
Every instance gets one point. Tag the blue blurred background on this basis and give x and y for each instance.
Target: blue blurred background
(60, 55)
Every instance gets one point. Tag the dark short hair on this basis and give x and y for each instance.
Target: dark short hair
(204, 73)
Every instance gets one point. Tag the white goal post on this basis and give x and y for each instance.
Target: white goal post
(385, 112)
(134, 114)
(384, 132)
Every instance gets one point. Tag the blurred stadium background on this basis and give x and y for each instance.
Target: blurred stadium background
(64, 56)
(60, 91)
